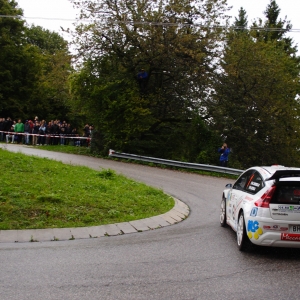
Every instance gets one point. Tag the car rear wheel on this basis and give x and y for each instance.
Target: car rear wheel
(243, 241)
(223, 213)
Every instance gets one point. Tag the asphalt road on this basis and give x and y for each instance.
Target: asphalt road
(195, 259)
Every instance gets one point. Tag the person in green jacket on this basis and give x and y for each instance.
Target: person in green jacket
(19, 128)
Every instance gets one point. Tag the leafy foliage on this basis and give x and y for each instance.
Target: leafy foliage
(169, 39)
(256, 107)
(275, 29)
(34, 68)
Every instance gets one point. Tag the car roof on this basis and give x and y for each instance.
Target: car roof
(277, 171)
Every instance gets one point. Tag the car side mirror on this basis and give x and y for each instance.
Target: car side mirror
(228, 185)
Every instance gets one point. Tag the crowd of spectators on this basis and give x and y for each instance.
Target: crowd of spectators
(35, 132)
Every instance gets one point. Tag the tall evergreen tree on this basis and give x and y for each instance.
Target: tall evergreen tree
(241, 23)
(274, 29)
(254, 106)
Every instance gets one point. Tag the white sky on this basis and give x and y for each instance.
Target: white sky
(62, 13)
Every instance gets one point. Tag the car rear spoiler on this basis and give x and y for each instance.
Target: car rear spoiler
(284, 173)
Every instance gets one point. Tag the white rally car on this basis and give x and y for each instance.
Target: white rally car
(263, 207)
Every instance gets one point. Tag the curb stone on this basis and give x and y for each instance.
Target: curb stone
(178, 213)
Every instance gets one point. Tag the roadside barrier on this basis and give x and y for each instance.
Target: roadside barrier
(46, 135)
(175, 163)
(113, 153)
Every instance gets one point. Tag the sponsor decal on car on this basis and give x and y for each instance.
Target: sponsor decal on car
(248, 198)
(254, 231)
(293, 237)
(289, 208)
(275, 228)
(253, 212)
(280, 214)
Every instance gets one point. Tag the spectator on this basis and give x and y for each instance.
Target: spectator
(55, 132)
(68, 132)
(7, 125)
(27, 131)
(49, 133)
(224, 150)
(35, 131)
(42, 132)
(86, 134)
(10, 136)
(75, 134)
(19, 129)
(62, 134)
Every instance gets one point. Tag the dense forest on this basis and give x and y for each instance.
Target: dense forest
(161, 78)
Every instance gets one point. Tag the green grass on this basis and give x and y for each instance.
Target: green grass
(42, 193)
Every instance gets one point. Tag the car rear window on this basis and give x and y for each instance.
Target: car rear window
(287, 193)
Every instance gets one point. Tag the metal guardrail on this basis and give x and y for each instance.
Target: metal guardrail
(176, 163)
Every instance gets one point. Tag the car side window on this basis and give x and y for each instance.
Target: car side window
(255, 183)
(243, 180)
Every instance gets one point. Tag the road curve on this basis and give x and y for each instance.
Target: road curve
(194, 259)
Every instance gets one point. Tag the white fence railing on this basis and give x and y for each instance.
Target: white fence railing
(175, 163)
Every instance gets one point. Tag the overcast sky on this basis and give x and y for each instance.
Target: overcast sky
(62, 14)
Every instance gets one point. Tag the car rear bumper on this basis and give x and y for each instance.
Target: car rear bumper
(275, 240)
(275, 235)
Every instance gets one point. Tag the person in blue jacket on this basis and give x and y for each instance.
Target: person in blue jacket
(224, 150)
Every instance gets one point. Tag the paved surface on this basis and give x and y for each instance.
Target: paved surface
(192, 260)
(177, 214)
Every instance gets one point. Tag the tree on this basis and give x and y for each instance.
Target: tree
(34, 68)
(50, 97)
(14, 65)
(177, 42)
(274, 29)
(255, 104)
(241, 23)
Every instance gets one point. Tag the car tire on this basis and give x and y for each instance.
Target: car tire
(243, 241)
(223, 213)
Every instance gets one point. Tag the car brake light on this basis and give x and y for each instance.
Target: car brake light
(266, 198)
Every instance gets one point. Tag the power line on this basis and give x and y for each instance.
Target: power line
(159, 24)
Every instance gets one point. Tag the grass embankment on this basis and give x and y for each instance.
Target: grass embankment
(42, 193)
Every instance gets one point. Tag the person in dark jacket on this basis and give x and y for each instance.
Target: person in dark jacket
(56, 131)
(10, 135)
(42, 132)
(27, 131)
(7, 125)
(35, 132)
(49, 133)
(86, 134)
